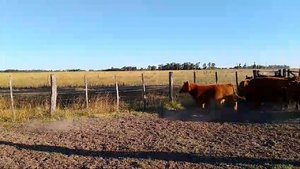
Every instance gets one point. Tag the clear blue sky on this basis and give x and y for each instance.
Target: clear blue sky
(98, 34)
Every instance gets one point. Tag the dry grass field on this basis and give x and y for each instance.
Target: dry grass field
(34, 87)
(76, 79)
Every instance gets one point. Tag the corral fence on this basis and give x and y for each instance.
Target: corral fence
(278, 73)
(54, 92)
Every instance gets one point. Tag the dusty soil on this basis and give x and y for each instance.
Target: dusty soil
(146, 141)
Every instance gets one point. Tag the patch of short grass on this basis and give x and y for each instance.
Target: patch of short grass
(282, 166)
(173, 106)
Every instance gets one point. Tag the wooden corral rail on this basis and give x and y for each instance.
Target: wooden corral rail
(278, 73)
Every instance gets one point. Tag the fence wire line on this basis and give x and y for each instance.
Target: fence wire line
(81, 92)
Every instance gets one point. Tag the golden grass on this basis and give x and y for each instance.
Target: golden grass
(35, 107)
(76, 79)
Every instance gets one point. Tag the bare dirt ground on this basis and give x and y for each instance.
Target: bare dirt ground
(147, 141)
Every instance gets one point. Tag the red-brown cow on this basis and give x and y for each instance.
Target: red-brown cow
(217, 93)
(265, 89)
(293, 92)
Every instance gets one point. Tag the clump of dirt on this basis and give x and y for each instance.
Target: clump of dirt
(146, 141)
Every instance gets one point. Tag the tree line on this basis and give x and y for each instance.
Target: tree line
(167, 66)
(197, 66)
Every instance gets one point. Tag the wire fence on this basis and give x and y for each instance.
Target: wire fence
(55, 94)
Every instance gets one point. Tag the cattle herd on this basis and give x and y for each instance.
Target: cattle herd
(252, 92)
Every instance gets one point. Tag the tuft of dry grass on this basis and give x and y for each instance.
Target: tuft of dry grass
(101, 78)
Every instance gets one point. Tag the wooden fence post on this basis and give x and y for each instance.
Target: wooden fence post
(284, 73)
(279, 72)
(53, 95)
(216, 75)
(12, 99)
(254, 73)
(144, 92)
(288, 72)
(236, 79)
(171, 86)
(195, 77)
(86, 92)
(117, 93)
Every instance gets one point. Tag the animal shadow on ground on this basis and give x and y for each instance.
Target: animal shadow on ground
(167, 156)
(270, 113)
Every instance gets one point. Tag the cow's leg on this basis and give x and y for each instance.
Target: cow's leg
(207, 106)
(286, 102)
(198, 108)
(236, 107)
(234, 102)
(222, 102)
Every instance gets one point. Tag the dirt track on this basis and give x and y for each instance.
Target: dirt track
(146, 141)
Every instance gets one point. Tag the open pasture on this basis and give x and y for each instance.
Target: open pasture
(32, 91)
(130, 138)
(125, 78)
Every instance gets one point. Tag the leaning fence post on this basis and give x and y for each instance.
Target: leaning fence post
(236, 79)
(12, 99)
(144, 92)
(53, 94)
(171, 86)
(117, 93)
(86, 92)
(216, 75)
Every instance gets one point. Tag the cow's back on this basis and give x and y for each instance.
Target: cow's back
(215, 91)
(267, 89)
(223, 90)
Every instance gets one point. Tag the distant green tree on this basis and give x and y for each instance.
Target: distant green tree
(204, 66)
(209, 65)
(213, 66)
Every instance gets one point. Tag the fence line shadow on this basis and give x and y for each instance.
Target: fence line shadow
(167, 156)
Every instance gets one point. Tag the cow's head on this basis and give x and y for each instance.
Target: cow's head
(241, 87)
(185, 88)
(293, 88)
